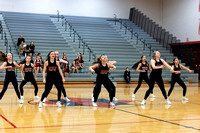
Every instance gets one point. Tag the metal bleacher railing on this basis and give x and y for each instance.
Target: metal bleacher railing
(3, 36)
(153, 29)
(131, 30)
(68, 26)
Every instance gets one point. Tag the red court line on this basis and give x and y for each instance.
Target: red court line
(8, 121)
(52, 126)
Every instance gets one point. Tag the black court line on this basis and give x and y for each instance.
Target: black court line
(158, 119)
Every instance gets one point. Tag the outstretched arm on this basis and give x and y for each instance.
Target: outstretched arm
(166, 65)
(185, 68)
(63, 61)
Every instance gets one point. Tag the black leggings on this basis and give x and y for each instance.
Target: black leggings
(107, 85)
(180, 82)
(128, 79)
(48, 86)
(112, 86)
(141, 78)
(158, 79)
(5, 86)
(32, 80)
(62, 86)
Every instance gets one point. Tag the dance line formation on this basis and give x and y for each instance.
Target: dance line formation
(52, 75)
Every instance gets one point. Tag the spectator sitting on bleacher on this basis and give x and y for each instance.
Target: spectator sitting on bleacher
(38, 64)
(21, 48)
(80, 58)
(75, 65)
(31, 55)
(26, 50)
(32, 48)
(20, 39)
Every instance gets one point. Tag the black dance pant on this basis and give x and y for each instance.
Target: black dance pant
(127, 79)
(32, 80)
(112, 86)
(106, 83)
(48, 86)
(141, 78)
(62, 86)
(158, 79)
(5, 86)
(180, 82)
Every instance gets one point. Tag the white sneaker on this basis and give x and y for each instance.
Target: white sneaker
(92, 98)
(143, 102)
(20, 101)
(112, 104)
(36, 98)
(168, 102)
(59, 104)
(44, 100)
(94, 104)
(185, 99)
(66, 99)
(115, 99)
(40, 104)
(22, 97)
(153, 96)
(133, 95)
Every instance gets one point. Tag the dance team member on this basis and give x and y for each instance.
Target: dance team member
(142, 67)
(52, 67)
(157, 65)
(27, 68)
(102, 78)
(9, 65)
(176, 77)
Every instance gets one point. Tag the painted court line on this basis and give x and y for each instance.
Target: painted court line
(74, 125)
(160, 120)
(8, 121)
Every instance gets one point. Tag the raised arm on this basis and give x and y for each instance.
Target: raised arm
(111, 67)
(152, 62)
(4, 66)
(63, 61)
(112, 62)
(138, 68)
(91, 68)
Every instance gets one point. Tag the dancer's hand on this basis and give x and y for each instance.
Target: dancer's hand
(63, 80)
(44, 81)
(93, 72)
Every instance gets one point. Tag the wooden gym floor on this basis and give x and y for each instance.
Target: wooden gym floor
(79, 116)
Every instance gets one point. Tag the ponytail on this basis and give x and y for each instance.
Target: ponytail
(2, 57)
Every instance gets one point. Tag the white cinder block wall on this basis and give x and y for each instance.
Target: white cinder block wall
(182, 17)
(179, 17)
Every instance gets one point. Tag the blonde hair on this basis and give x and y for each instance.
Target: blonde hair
(154, 55)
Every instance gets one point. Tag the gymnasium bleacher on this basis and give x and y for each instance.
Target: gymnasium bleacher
(99, 35)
